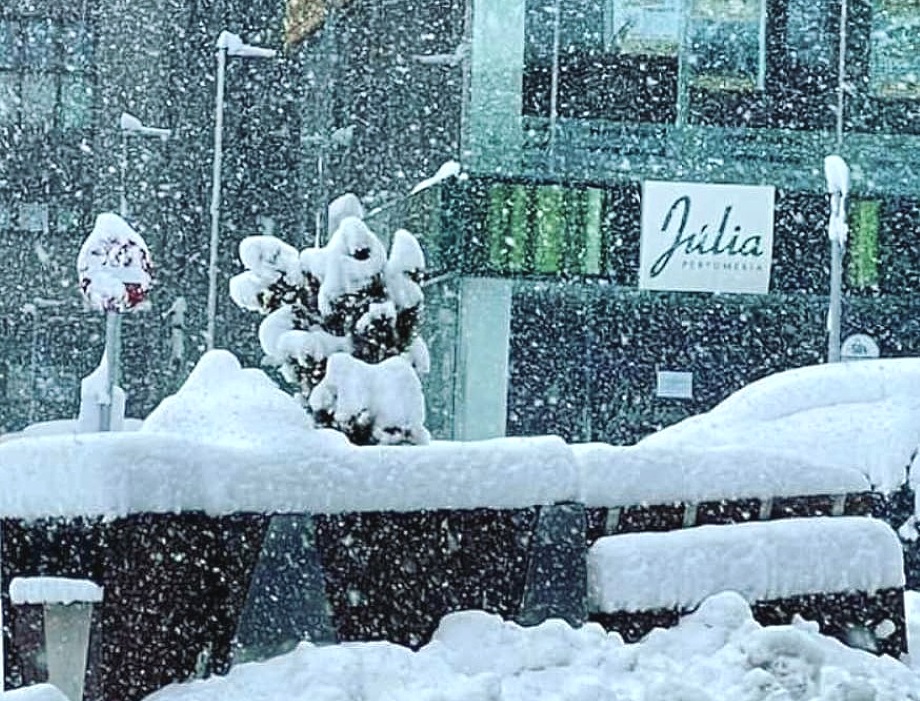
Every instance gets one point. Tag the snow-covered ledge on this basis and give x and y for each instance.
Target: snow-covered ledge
(230, 441)
(67, 612)
(760, 561)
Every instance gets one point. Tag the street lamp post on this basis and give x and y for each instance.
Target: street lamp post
(131, 126)
(228, 44)
(837, 175)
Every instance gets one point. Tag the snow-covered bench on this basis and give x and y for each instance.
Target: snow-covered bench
(637, 489)
(846, 572)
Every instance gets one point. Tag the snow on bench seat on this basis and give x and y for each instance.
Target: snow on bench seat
(54, 590)
(759, 560)
(626, 475)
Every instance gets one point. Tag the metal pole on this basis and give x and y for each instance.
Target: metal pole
(111, 368)
(841, 73)
(833, 314)
(123, 204)
(215, 197)
(554, 81)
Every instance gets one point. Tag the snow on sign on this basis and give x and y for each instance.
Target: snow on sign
(699, 237)
(114, 266)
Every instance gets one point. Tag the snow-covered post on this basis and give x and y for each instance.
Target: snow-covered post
(132, 126)
(837, 175)
(228, 44)
(115, 273)
(66, 610)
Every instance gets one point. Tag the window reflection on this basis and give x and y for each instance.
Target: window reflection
(894, 68)
(45, 73)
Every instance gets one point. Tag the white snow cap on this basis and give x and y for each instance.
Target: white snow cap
(406, 260)
(386, 395)
(54, 590)
(347, 205)
(837, 175)
(114, 265)
(270, 259)
(448, 169)
(235, 47)
(353, 257)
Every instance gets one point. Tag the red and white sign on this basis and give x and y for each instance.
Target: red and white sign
(114, 266)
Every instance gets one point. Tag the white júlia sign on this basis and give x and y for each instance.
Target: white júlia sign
(699, 237)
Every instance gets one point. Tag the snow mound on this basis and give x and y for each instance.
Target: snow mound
(862, 416)
(760, 561)
(716, 654)
(218, 402)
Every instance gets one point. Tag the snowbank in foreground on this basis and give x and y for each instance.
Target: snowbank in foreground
(718, 653)
(231, 441)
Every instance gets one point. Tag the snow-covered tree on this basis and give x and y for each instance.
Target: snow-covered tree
(341, 322)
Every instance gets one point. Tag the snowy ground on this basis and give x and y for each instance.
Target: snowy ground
(230, 440)
(718, 653)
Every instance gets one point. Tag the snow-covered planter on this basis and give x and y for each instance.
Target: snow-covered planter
(341, 322)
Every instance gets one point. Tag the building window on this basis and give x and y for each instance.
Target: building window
(727, 44)
(45, 73)
(615, 60)
(894, 66)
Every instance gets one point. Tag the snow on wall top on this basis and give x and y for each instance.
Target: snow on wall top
(230, 440)
(862, 416)
(623, 475)
(760, 561)
(53, 590)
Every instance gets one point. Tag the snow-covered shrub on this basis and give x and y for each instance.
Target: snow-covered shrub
(341, 322)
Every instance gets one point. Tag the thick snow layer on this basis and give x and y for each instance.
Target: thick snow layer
(54, 590)
(386, 395)
(718, 653)
(231, 434)
(761, 561)
(230, 440)
(36, 692)
(624, 475)
(862, 415)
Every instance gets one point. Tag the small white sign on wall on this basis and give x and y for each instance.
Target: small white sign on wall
(674, 385)
(699, 237)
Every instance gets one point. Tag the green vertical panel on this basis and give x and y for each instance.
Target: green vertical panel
(549, 228)
(574, 239)
(862, 271)
(594, 202)
(517, 242)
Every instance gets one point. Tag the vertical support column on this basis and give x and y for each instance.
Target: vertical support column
(485, 328)
(54, 625)
(493, 121)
